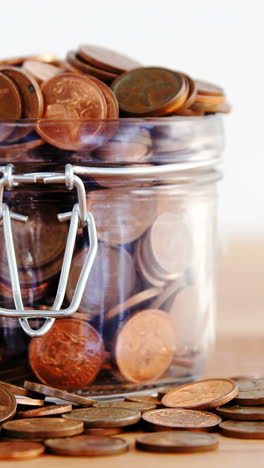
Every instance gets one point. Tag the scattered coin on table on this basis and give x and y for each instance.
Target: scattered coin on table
(177, 418)
(29, 401)
(105, 417)
(242, 413)
(251, 392)
(58, 393)
(134, 405)
(49, 410)
(20, 450)
(242, 429)
(42, 428)
(177, 442)
(87, 445)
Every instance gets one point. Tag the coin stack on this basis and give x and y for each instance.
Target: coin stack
(36, 417)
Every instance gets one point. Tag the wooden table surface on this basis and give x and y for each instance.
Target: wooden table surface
(239, 350)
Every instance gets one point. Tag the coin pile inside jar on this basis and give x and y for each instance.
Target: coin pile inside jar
(37, 418)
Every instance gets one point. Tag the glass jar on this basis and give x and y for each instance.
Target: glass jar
(108, 287)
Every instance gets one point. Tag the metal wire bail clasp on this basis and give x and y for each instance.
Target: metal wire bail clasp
(79, 214)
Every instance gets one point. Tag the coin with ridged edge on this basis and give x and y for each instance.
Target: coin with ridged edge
(87, 445)
(177, 442)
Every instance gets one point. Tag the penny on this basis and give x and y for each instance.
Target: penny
(208, 99)
(204, 394)
(242, 413)
(10, 100)
(145, 345)
(45, 411)
(72, 354)
(163, 390)
(208, 89)
(106, 59)
(251, 392)
(20, 450)
(87, 445)
(191, 94)
(7, 404)
(223, 108)
(47, 57)
(67, 98)
(119, 152)
(103, 431)
(131, 302)
(17, 390)
(76, 61)
(243, 429)
(57, 393)
(42, 428)
(41, 71)
(106, 271)
(134, 405)
(150, 91)
(144, 399)
(105, 417)
(177, 442)
(29, 401)
(181, 419)
(133, 210)
(143, 268)
(111, 102)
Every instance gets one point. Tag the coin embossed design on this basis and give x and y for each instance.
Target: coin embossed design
(145, 346)
(204, 394)
(72, 354)
(88, 445)
(242, 413)
(7, 404)
(177, 442)
(105, 417)
(42, 427)
(106, 59)
(243, 429)
(134, 405)
(71, 98)
(150, 91)
(180, 418)
(20, 450)
(45, 411)
(57, 393)
(251, 392)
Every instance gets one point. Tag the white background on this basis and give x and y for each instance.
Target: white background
(217, 40)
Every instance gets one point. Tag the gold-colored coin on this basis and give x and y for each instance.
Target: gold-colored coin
(105, 417)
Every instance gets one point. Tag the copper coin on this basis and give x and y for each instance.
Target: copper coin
(107, 59)
(14, 61)
(17, 390)
(83, 66)
(45, 411)
(71, 98)
(177, 442)
(149, 91)
(110, 99)
(134, 405)
(181, 419)
(131, 302)
(208, 89)
(243, 429)
(41, 71)
(57, 393)
(142, 266)
(150, 263)
(242, 413)
(214, 100)
(251, 392)
(204, 394)
(144, 399)
(192, 92)
(10, 100)
(29, 401)
(20, 450)
(167, 293)
(72, 354)
(105, 417)
(145, 346)
(7, 404)
(206, 108)
(103, 431)
(113, 270)
(118, 152)
(42, 427)
(87, 445)
(132, 208)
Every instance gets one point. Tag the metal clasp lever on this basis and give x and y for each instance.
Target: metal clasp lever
(79, 214)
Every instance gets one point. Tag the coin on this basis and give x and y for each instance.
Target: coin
(17, 390)
(177, 442)
(71, 97)
(119, 152)
(191, 95)
(144, 398)
(111, 102)
(72, 354)
(208, 99)
(134, 405)
(204, 394)
(87, 445)
(76, 61)
(41, 71)
(243, 429)
(208, 89)
(105, 417)
(131, 302)
(145, 345)
(7, 404)
(143, 268)
(45, 411)
(46, 57)
(181, 419)
(57, 393)
(167, 293)
(20, 450)
(29, 401)
(132, 209)
(150, 91)
(10, 100)
(42, 428)
(223, 108)
(106, 59)
(106, 271)
(242, 413)
(251, 392)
